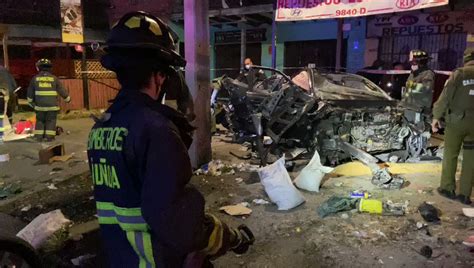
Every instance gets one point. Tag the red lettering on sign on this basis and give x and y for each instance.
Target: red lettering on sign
(406, 4)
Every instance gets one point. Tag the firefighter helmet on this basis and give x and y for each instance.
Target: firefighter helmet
(417, 55)
(44, 64)
(146, 38)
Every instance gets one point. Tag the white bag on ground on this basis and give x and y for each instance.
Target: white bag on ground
(278, 185)
(42, 227)
(310, 177)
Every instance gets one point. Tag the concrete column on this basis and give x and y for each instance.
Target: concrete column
(274, 40)
(340, 23)
(243, 44)
(196, 31)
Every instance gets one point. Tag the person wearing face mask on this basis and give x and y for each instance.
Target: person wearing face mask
(419, 86)
(249, 75)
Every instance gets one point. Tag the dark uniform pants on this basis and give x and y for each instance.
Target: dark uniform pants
(457, 135)
(45, 124)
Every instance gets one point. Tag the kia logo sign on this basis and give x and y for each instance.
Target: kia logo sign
(407, 20)
(437, 18)
(407, 4)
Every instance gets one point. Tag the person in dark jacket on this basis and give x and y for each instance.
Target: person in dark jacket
(249, 75)
(43, 97)
(149, 215)
(7, 86)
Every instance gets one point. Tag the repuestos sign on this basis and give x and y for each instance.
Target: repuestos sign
(421, 23)
(291, 10)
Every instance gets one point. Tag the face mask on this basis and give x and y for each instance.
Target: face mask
(247, 67)
(415, 68)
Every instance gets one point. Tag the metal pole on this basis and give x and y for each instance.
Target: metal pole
(85, 82)
(243, 45)
(6, 62)
(340, 23)
(274, 40)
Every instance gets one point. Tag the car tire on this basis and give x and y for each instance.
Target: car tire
(19, 247)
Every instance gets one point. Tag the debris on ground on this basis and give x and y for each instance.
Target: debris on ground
(468, 212)
(310, 177)
(215, 168)
(237, 210)
(360, 194)
(279, 187)
(26, 208)
(426, 251)
(42, 227)
(371, 206)
(52, 186)
(9, 190)
(469, 241)
(79, 261)
(336, 204)
(63, 158)
(46, 154)
(260, 202)
(239, 180)
(429, 212)
(395, 209)
(4, 158)
(384, 179)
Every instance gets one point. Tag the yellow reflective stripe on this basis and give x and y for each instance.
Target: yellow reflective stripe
(51, 132)
(46, 93)
(148, 249)
(2, 116)
(108, 220)
(2, 129)
(29, 99)
(119, 210)
(46, 109)
(38, 132)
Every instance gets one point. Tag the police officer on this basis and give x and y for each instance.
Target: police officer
(250, 76)
(456, 105)
(43, 97)
(149, 216)
(419, 87)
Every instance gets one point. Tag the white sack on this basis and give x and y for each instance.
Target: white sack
(278, 185)
(310, 177)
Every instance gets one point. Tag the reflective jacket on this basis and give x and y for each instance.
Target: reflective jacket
(419, 89)
(44, 90)
(456, 102)
(149, 216)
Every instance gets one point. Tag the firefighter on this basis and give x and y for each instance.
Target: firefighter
(43, 97)
(178, 97)
(149, 215)
(419, 87)
(456, 106)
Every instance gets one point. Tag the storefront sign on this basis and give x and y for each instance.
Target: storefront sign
(234, 37)
(72, 24)
(421, 23)
(291, 10)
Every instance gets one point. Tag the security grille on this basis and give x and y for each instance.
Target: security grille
(446, 50)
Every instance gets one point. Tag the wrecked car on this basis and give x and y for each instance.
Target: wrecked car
(322, 111)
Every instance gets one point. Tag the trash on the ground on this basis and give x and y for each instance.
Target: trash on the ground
(395, 209)
(46, 154)
(360, 234)
(293, 154)
(245, 167)
(336, 204)
(9, 190)
(469, 242)
(42, 227)
(245, 204)
(278, 185)
(345, 216)
(468, 212)
(338, 184)
(384, 179)
(26, 208)
(420, 225)
(239, 180)
(371, 206)
(236, 210)
(429, 212)
(24, 127)
(241, 155)
(260, 202)
(360, 194)
(426, 251)
(63, 158)
(52, 186)
(310, 177)
(215, 168)
(79, 261)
